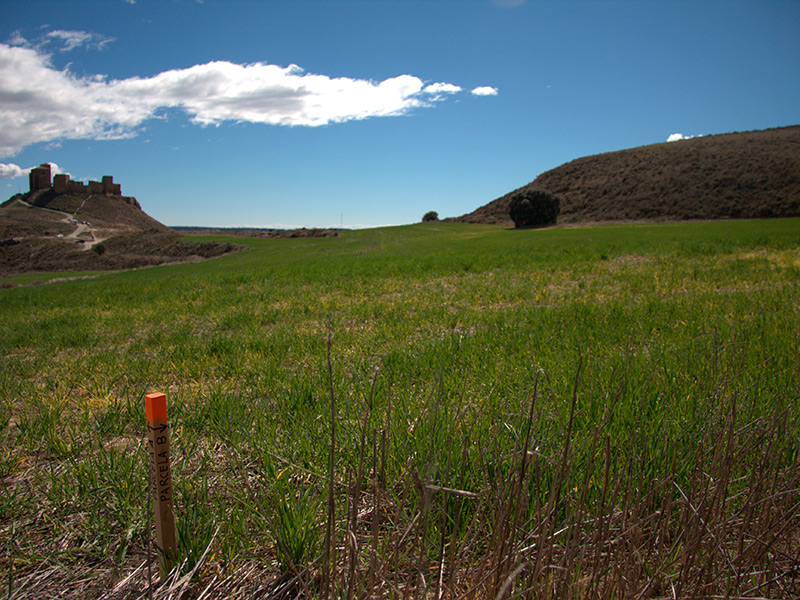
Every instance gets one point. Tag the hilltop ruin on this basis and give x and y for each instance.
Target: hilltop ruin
(40, 179)
(63, 225)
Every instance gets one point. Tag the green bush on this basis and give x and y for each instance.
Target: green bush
(534, 208)
(429, 216)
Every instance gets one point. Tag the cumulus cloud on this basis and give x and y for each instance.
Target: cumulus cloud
(484, 90)
(39, 103)
(10, 170)
(679, 136)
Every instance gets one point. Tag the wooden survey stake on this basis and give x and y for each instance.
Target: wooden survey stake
(161, 478)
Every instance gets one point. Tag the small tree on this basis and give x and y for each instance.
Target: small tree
(429, 216)
(534, 208)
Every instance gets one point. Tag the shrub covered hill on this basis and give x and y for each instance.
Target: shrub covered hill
(48, 231)
(730, 176)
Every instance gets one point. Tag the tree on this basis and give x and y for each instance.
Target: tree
(429, 216)
(534, 208)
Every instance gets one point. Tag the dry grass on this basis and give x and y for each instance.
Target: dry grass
(732, 176)
(725, 523)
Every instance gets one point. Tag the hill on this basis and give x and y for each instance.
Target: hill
(48, 231)
(729, 176)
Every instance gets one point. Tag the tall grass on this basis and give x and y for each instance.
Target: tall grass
(566, 413)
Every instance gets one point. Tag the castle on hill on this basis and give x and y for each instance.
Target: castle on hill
(40, 179)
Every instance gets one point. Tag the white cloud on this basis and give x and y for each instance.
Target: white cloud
(70, 40)
(679, 136)
(16, 39)
(62, 40)
(55, 170)
(10, 170)
(39, 103)
(441, 88)
(484, 90)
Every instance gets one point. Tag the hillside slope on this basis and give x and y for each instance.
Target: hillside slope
(737, 175)
(46, 231)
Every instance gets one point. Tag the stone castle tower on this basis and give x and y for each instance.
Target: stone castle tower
(40, 177)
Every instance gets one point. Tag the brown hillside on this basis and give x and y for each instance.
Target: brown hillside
(46, 231)
(737, 175)
(119, 213)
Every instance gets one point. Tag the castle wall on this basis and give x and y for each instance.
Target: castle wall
(61, 183)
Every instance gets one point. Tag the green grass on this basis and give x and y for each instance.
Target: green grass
(37, 278)
(665, 359)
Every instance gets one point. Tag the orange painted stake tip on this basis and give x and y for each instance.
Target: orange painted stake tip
(156, 407)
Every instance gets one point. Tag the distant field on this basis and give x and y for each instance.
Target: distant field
(586, 412)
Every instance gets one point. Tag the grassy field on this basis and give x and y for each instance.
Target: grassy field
(563, 413)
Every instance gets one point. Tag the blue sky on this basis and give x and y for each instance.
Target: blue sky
(369, 113)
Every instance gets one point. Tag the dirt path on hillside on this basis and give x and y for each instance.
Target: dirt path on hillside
(80, 228)
(48, 239)
(66, 218)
